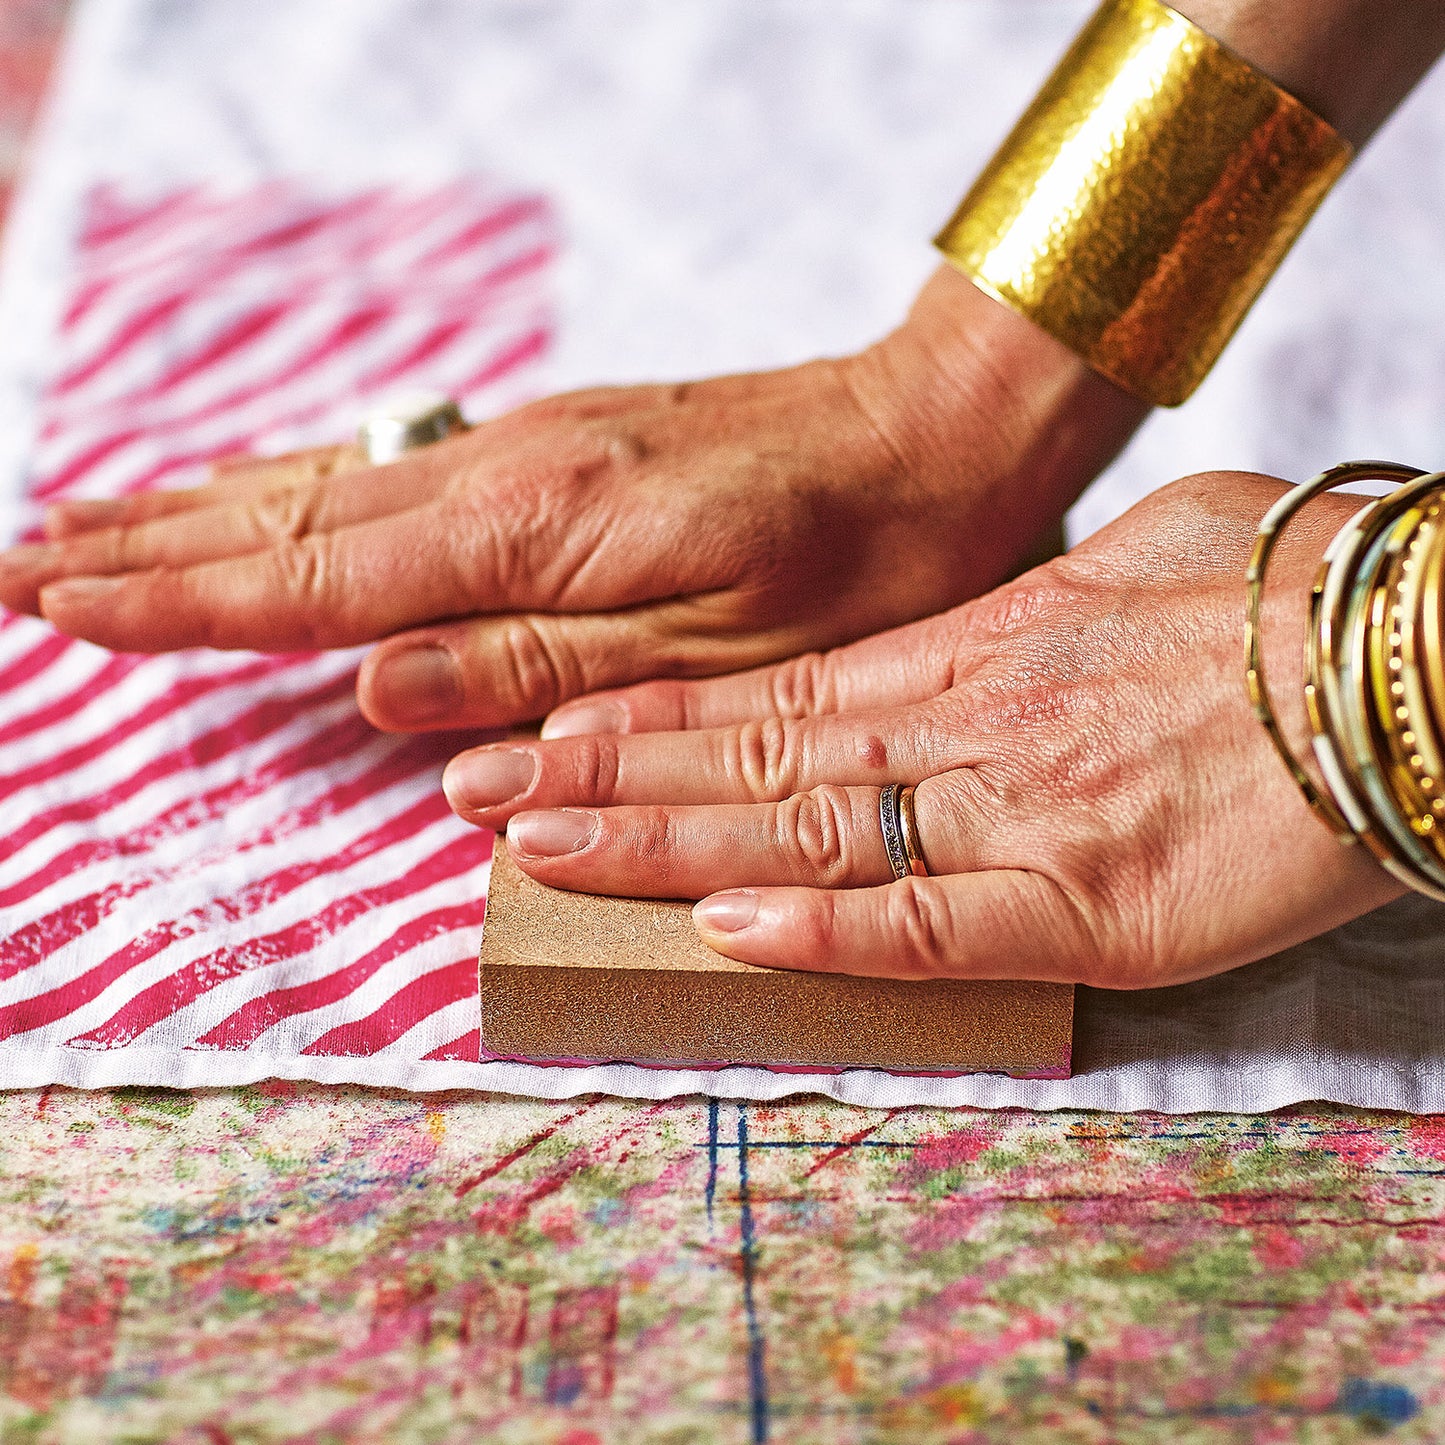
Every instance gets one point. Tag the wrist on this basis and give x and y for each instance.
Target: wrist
(992, 415)
(1145, 197)
(1349, 61)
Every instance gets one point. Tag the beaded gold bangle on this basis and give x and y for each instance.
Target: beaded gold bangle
(1405, 730)
(1428, 653)
(1145, 197)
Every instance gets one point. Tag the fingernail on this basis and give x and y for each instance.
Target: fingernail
(79, 591)
(419, 685)
(574, 719)
(549, 835)
(476, 781)
(726, 912)
(29, 557)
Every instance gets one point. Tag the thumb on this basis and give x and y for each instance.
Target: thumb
(493, 671)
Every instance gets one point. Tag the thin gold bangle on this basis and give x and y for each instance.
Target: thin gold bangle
(1406, 724)
(1270, 529)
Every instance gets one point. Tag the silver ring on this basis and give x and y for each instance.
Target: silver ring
(406, 424)
(900, 832)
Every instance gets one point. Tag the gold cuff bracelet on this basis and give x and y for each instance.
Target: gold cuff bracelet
(1145, 198)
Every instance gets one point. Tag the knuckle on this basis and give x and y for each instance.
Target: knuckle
(1027, 610)
(520, 540)
(816, 930)
(487, 555)
(624, 448)
(1030, 695)
(1005, 612)
(596, 768)
(803, 686)
(653, 844)
(814, 829)
(288, 516)
(305, 577)
(124, 549)
(1067, 930)
(959, 816)
(920, 921)
(762, 758)
(660, 704)
(335, 460)
(538, 671)
(1019, 605)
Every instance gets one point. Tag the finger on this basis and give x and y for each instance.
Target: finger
(493, 670)
(906, 665)
(233, 479)
(758, 762)
(186, 538)
(328, 589)
(828, 837)
(266, 519)
(239, 477)
(309, 464)
(425, 564)
(1001, 923)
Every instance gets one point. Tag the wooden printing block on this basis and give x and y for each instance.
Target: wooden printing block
(572, 978)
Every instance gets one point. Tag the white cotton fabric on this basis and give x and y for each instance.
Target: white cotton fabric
(746, 183)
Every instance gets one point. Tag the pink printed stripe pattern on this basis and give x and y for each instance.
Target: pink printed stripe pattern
(214, 852)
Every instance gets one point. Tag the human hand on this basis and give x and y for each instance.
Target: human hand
(598, 538)
(1095, 799)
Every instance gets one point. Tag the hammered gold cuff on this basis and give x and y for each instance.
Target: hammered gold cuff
(1145, 198)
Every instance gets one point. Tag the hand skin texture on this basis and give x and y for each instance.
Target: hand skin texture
(1095, 799)
(613, 535)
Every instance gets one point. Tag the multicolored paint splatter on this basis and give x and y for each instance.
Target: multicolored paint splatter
(305, 1264)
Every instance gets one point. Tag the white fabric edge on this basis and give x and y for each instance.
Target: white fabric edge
(1188, 1089)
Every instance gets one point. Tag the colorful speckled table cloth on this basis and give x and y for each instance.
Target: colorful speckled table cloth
(213, 870)
(287, 1263)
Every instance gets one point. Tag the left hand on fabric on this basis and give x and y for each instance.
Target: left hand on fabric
(605, 536)
(1095, 800)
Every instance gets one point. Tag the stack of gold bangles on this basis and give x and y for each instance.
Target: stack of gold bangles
(1374, 669)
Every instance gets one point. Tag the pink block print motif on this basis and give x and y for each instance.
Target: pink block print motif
(213, 851)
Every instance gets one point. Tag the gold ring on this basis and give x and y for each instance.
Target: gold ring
(911, 846)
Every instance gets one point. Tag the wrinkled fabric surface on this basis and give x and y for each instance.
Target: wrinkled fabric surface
(664, 190)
